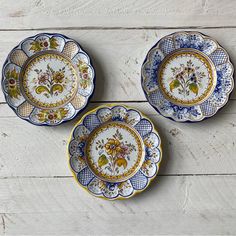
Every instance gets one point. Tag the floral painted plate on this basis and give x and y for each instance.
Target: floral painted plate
(47, 79)
(187, 76)
(114, 152)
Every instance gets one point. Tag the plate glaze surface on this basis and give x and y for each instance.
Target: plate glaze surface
(47, 79)
(114, 152)
(187, 76)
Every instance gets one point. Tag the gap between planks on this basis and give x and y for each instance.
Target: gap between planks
(120, 101)
(122, 28)
(70, 176)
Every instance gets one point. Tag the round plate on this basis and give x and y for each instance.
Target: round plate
(187, 76)
(114, 152)
(47, 79)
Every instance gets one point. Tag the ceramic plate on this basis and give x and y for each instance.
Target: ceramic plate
(187, 76)
(114, 152)
(47, 79)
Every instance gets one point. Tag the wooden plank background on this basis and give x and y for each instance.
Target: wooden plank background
(195, 192)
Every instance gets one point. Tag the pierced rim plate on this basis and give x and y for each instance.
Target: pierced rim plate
(114, 152)
(187, 76)
(47, 79)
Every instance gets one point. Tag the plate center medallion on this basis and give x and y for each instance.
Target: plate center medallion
(187, 77)
(115, 151)
(49, 80)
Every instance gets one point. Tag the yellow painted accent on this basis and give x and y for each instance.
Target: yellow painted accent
(74, 173)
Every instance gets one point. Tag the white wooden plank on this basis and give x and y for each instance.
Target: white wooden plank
(193, 205)
(207, 147)
(31, 14)
(117, 56)
(195, 192)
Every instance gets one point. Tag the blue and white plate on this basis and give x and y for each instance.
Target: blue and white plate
(114, 152)
(187, 76)
(47, 79)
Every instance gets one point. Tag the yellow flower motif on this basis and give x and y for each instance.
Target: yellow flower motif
(52, 116)
(84, 74)
(113, 147)
(43, 43)
(121, 162)
(148, 143)
(13, 88)
(58, 77)
(83, 67)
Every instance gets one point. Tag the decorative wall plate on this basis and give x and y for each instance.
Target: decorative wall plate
(114, 152)
(187, 76)
(47, 79)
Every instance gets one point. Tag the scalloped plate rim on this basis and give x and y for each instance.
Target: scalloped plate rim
(63, 120)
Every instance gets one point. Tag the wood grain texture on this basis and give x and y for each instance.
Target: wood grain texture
(117, 56)
(194, 193)
(34, 14)
(179, 205)
(207, 147)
